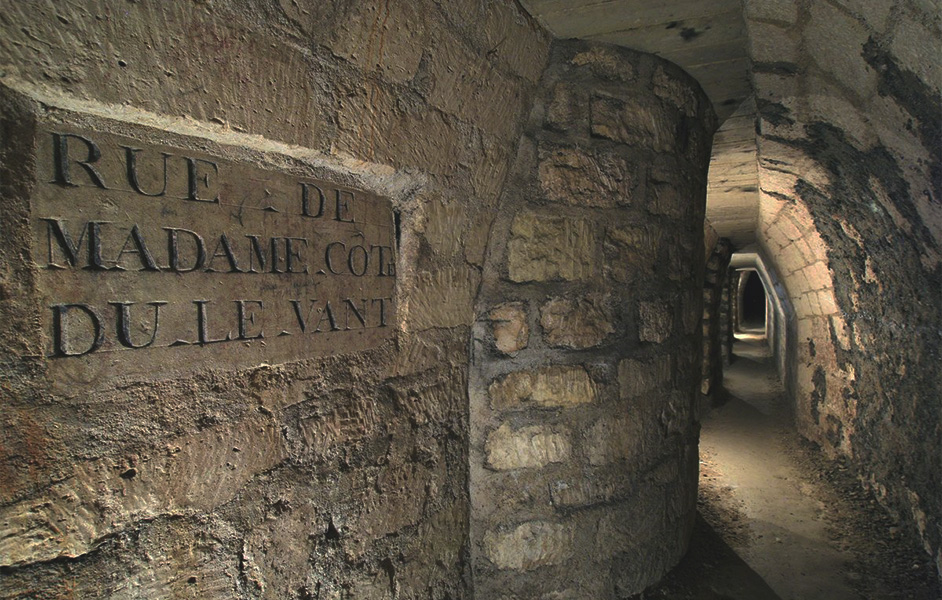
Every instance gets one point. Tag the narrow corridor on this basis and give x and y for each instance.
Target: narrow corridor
(777, 521)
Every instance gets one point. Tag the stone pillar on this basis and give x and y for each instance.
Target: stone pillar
(586, 357)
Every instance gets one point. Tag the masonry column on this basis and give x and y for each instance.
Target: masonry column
(587, 353)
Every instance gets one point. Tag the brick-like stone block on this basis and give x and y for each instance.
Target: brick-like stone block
(640, 121)
(655, 322)
(613, 438)
(572, 176)
(671, 90)
(510, 328)
(565, 111)
(526, 448)
(577, 322)
(636, 377)
(544, 248)
(556, 386)
(631, 252)
(605, 63)
(530, 545)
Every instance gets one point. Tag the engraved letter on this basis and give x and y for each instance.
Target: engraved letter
(173, 248)
(202, 326)
(306, 201)
(193, 178)
(293, 253)
(256, 252)
(382, 310)
(226, 253)
(60, 160)
(365, 261)
(250, 318)
(350, 306)
(131, 159)
(147, 260)
(58, 330)
(385, 270)
(92, 233)
(344, 207)
(123, 310)
(330, 266)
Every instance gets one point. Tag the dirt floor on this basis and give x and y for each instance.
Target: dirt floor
(777, 521)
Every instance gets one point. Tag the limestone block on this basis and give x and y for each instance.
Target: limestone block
(678, 94)
(565, 109)
(637, 377)
(669, 199)
(445, 226)
(639, 122)
(571, 176)
(443, 298)
(613, 438)
(509, 322)
(543, 248)
(577, 322)
(655, 322)
(530, 545)
(605, 63)
(525, 448)
(631, 252)
(548, 387)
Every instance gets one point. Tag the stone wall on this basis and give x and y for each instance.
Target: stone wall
(715, 281)
(851, 177)
(586, 358)
(339, 476)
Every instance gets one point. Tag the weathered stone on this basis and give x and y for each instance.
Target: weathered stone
(631, 252)
(525, 448)
(548, 387)
(655, 322)
(636, 377)
(543, 248)
(613, 438)
(565, 109)
(671, 90)
(573, 176)
(511, 331)
(605, 63)
(577, 323)
(640, 121)
(443, 298)
(530, 545)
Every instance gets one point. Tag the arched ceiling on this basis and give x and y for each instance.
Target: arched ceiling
(708, 38)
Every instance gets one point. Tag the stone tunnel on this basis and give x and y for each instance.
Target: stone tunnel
(427, 299)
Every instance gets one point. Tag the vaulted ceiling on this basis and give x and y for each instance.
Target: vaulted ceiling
(708, 38)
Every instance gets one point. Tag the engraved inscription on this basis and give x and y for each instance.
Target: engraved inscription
(151, 257)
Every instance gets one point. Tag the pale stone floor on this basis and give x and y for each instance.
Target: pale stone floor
(778, 523)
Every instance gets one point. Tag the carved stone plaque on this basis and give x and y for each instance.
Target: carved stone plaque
(151, 259)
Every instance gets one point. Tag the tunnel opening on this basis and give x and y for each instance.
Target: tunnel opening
(753, 304)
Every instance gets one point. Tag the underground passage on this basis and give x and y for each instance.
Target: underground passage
(471, 299)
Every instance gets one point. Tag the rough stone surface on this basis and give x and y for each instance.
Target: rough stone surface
(854, 123)
(525, 448)
(530, 545)
(547, 248)
(574, 177)
(602, 233)
(655, 322)
(548, 387)
(577, 322)
(639, 121)
(511, 331)
(271, 478)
